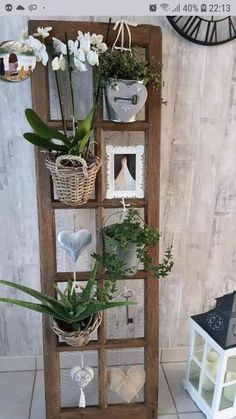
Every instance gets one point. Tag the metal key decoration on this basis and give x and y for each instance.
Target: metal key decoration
(127, 294)
(127, 99)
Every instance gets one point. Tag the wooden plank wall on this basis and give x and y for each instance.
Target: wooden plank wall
(198, 189)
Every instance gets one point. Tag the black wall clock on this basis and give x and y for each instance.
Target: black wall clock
(209, 30)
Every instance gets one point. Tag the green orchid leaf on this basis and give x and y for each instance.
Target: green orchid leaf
(42, 129)
(32, 306)
(84, 126)
(84, 142)
(53, 304)
(44, 143)
(81, 145)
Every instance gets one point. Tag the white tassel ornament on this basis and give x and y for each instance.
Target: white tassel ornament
(82, 376)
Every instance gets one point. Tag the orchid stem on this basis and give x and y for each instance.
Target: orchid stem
(61, 101)
(71, 85)
(98, 83)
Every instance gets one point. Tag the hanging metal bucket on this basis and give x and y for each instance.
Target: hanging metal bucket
(128, 256)
(124, 99)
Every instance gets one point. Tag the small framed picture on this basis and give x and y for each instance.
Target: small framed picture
(125, 171)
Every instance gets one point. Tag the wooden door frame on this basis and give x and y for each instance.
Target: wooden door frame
(150, 38)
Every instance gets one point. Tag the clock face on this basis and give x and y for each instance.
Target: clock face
(209, 30)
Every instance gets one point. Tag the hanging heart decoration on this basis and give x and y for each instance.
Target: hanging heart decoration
(127, 383)
(127, 98)
(82, 376)
(74, 243)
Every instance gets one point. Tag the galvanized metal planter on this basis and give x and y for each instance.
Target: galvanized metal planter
(128, 257)
(124, 99)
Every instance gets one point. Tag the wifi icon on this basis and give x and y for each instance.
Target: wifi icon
(164, 6)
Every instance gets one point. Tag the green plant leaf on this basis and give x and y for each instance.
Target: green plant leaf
(84, 126)
(53, 304)
(94, 307)
(73, 297)
(86, 295)
(45, 143)
(80, 309)
(65, 301)
(42, 129)
(84, 142)
(32, 306)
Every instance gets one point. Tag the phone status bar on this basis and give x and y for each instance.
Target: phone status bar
(131, 8)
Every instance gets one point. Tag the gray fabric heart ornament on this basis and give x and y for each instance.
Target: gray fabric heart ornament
(127, 99)
(74, 243)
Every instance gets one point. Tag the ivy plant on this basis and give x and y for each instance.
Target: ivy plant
(129, 65)
(131, 231)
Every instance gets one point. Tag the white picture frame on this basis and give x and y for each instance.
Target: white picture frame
(125, 171)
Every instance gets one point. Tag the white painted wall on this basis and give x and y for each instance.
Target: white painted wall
(198, 187)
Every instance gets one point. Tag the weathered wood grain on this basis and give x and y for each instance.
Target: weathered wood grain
(198, 186)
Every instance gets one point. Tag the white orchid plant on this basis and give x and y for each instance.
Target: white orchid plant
(71, 55)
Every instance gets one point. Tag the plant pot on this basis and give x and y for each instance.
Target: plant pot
(124, 99)
(80, 338)
(73, 177)
(128, 256)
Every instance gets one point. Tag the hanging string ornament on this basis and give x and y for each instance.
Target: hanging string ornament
(82, 376)
(123, 25)
(124, 208)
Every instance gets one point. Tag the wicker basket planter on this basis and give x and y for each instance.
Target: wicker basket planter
(81, 338)
(73, 177)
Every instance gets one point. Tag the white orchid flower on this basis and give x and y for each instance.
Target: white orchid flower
(43, 32)
(96, 38)
(79, 65)
(84, 39)
(42, 55)
(59, 47)
(80, 55)
(92, 57)
(102, 47)
(38, 48)
(59, 63)
(73, 47)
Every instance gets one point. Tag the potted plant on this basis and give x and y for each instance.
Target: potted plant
(73, 315)
(69, 158)
(126, 244)
(123, 75)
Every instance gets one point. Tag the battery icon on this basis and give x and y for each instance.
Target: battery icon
(203, 8)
